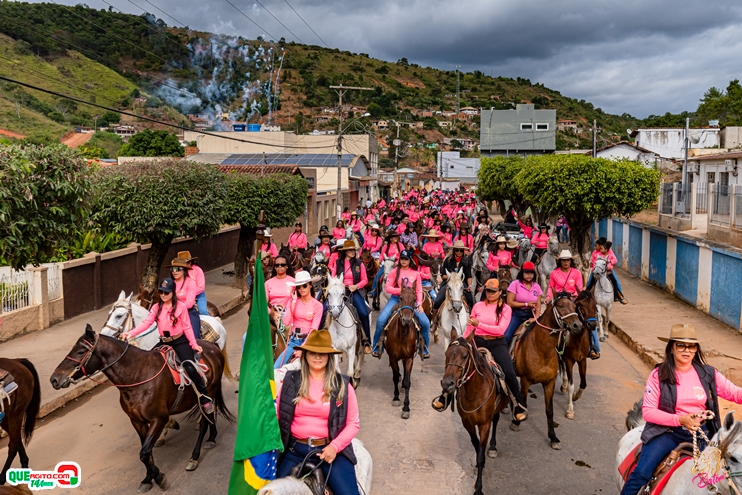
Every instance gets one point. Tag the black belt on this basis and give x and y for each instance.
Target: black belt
(489, 337)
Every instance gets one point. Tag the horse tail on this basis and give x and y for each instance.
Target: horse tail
(634, 418)
(227, 370)
(32, 411)
(219, 404)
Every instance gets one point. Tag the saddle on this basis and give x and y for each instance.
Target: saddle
(7, 386)
(395, 315)
(517, 337)
(180, 376)
(664, 471)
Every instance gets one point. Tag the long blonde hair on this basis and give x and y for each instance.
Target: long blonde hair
(333, 380)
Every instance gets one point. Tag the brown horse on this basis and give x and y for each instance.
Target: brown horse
(21, 410)
(479, 397)
(372, 267)
(576, 350)
(278, 338)
(401, 344)
(536, 359)
(147, 392)
(505, 276)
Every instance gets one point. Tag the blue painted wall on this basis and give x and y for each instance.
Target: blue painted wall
(603, 228)
(726, 291)
(686, 272)
(657, 258)
(635, 250)
(618, 240)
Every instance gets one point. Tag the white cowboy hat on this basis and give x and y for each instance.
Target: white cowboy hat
(501, 238)
(338, 243)
(267, 232)
(565, 254)
(302, 277)
(374, 226)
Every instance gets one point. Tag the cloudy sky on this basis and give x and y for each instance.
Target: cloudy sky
(637, 56)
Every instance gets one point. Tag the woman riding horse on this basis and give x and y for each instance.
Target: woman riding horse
(540, 242)
(354, 277)
(603, 251)
(392, 248)
(303, 314)
(197, 275)
(186, 290)
(269, 248)
(298, 239)
(524, 296)
(454, 262)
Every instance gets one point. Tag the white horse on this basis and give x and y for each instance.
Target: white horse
(126, 315)
(344, 328)
(683, 480)
(479, 265)
(388, 265)
(603, 292)
(453, 313)
(548, 263)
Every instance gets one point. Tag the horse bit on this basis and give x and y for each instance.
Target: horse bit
(466, 377)
(86, 358)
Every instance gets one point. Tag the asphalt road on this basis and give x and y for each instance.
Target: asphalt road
(429, 453)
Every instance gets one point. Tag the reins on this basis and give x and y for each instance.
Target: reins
(471, 360)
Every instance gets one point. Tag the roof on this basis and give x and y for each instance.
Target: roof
(281, 159)
(259, 169)
(408, 170)
(627, 143)
(717, 156)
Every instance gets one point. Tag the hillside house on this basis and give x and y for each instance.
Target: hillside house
(381, 125)
(567, 125)
(323, 119)
(124, 132)
(469, 111)
(444, 123)
(628, 151)
(450, 165)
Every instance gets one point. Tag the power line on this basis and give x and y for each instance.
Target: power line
(281, 23)
(171, 17)
(305, 22)
(249, 19)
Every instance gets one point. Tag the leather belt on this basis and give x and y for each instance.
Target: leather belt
(171, 338)
(490, 337)
(314, 442)
(300, 335)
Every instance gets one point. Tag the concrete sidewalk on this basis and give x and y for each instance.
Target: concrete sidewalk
(650, 314)
(46, 348)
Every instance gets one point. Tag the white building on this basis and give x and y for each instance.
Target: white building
(450, 165)
(628, 151)
(721, 168)
(670, 142)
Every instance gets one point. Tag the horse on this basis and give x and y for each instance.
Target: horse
(603, 292)
(480, 398)
(21, 408)
(402, 343)
(320, 273)
(298, 484)
(293, 257)
(548, 263)
(504, 276)
(684, 481)
(371, 266)
(453, 313)
(575, 350)
(345, 328)
(480, 272)
(148, 394)
(434, 263)
(308, 255)
(524, 252)
(382, 296)
(536, 359)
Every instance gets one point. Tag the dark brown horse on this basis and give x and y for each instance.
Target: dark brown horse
(479, 397)
(401, 344)
(577, 348)
(21, 410)
(372, 267)
(147, 392)
(505, 276)
(536, 359)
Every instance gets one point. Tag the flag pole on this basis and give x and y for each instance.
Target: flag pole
(260, 232)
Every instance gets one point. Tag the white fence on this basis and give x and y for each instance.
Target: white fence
(54, 280)
(16, 289)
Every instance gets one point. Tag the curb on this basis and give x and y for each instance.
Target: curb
(648, 358)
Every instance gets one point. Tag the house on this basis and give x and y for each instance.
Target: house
(464, 142)
(329, 110)
(424, 113)
(450, 165)
(566, 125)
(669, 142)
(718, 168)
(444, 123)
(469, 111)
(629, 151)
(415, 125)
(520, 131)
(381, 125)
(125, 132)
(322, 119)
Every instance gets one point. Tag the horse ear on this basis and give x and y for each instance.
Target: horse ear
(89, 332)
(131, 294)
(729, 420)
(470, 338)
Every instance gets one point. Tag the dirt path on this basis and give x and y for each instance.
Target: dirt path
(76, 139)
(11, 134)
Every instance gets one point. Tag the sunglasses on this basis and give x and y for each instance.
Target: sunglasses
(681, 346)
(176, 269)
(280, 265)
(304, 286)
(458, 250)
(162, 292)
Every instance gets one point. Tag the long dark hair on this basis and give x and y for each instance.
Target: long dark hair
(667, 367)
(521, 279)
(173, 318)
(289, 268)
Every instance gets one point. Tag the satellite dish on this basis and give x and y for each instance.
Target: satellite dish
(695, 139)
(628, 132)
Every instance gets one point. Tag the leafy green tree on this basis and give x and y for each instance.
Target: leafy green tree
(152, 143)
(281, 197)
(430, 123)
(158, 201)
(497, 184)
(109, 118)
(92, 152)
(43, 192)
(726, 106)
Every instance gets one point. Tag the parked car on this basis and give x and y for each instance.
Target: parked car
(510, 230)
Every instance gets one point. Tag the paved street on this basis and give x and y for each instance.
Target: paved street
(429, 452)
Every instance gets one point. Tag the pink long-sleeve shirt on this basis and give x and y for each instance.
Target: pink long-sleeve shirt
(691, 397)
(348, 274)
(493, 262)
(527, 229)
(197, 275)
(182, 323)
(373, 243)
(355, 225)
(407, 277)
(392, 250)
(270, 249)
(540, 241)
(298, 240)
(338, 233)
(310, 418)
(609, 256)
(489, 325)
(325, 249)
(569, 282)
(498, 259)
(186, 290)
(434, 249)
(306, 316)
(277, 292)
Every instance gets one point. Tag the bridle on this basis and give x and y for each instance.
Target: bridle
(127, 324)
(340, 307)
(558, 317)
(468, 370)
(453, 301)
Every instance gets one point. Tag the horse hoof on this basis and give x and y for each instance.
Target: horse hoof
(563, 390)
(556, 446)
(514, 427)
(405, 414)
(209, 445)
(505, 412)
(192, 465)
(577, 395)
(435, 337)
(492, 453)
(395, 403)
(570, 415)
(160, 442)
(175, 425)
(163, 483)
(144, 487)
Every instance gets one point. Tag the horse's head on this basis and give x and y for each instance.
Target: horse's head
(524, 244)
(119, 317)
(407, 300)
(388, 264)
(601, 267)
(565, 313)
(459, 359)
(79, 362)
(587, 309)
(365, 254)
(455, 289)
(284, 252)
(335, 295)
(292, 485)
(730, 445)
(554, 246)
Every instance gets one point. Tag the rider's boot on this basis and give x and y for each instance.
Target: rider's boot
(441, 402)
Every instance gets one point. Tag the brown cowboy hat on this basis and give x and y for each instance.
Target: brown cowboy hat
(459, 245)
(433, 234)
(319, 342)
(681, 333)
(391, 233)
(179, 262)
(186, 255)
(512, 244)
(348, 245)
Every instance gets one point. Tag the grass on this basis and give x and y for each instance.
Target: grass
(109, 141)
(30, 122)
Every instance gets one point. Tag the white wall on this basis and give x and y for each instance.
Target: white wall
(623, 151)
(669, 143)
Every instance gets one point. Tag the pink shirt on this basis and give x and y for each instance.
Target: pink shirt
(434, 249)
(325, 249)
(338, 233)
(488, 323)
(504, 258)
(270, 249)
(609, 256)
(565, 282)
(348, 274)
(277, 292)
(411, 277)
(355, 225)
(345, 215)
(691, 397)
(401, 228)
(493, 262)
(392, 250)
(540, 240)
(186, 292)
(310, 418)
(527, 229)
(373, 243)
(306, 316)
(197, 275)
(182, 323)
(524, 294)
(298, 240)
(467, 239)
(448, 239)
(424, 272)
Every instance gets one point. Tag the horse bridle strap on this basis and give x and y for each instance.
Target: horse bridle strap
(127, 323)
(86, 358)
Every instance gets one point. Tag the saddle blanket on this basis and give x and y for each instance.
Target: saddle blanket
(176, 367)
(629, 464)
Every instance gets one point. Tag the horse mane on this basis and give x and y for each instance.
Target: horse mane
(561, 295)
(732, 439)
(584, 296)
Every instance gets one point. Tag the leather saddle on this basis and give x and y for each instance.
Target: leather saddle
(517, 338)
(7, 386)
(663, 472)
(180, 376)
(312, 476)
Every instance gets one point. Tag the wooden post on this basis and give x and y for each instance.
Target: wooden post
(260, 233)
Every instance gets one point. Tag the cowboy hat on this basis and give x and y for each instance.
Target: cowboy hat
(464, 225)
(458, 245)
(186, 255)
(374, 226)
(324, 233)
(544, 226)
(565, 255)
(319, 342)
(302, 277)
(512, 244)
(348, 245)
(501, 238)
(391, 233)
(339, 244)
(267, 232)
(681, 333)
(432, 234)
(179, 262)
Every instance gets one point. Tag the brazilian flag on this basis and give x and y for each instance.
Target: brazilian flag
(258, 436)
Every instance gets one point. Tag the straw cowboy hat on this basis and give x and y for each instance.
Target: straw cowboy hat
(681, 333)
(348, 245)
(302, 277)
(319, 342)
(433, 234)
(186, 255)
(565, 255)
(458, 245)
(501, 238)
(512, 244)
(179, 262)
(374, 226)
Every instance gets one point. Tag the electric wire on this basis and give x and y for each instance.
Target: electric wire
(278, 20)
(171, 17)
(249, 19)
(307, 24)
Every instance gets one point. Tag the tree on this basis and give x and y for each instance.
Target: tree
(430, 123)
(496, 182)
(158, 201)
(92, 152)
(282, 197)
(726, 106)
(43, 193)
(152, 143)
(109, 118)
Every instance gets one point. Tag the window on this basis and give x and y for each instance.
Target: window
(724, 179)
(334, 208)
(711, 177)
(470, 169)
(410, 176)
(526, 127)
(327, 208)
(542, 127)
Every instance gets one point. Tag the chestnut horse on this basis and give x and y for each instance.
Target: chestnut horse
(372, 267)
(147, 391)
(21, 410)
(479, 397)
(402, 343)
(536, 359)
(576, 350)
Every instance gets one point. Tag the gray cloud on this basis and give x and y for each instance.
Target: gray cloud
(636, 56)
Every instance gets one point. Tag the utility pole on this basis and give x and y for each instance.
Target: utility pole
(458, 90)
(595, 132)
(341, 90)
(685, 154)
(396, 144)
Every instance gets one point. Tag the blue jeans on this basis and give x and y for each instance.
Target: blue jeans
(519, 316)
(594, 341)
(286, 355)
(378, 276)
(195, 321)
(562, 233)
(359, 303)
(201, 303)
(428, 283)
(386, 313)
(653, 452)
(342, 477)
(360, 237)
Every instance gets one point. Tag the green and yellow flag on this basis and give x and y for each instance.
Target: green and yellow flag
(258, 436)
